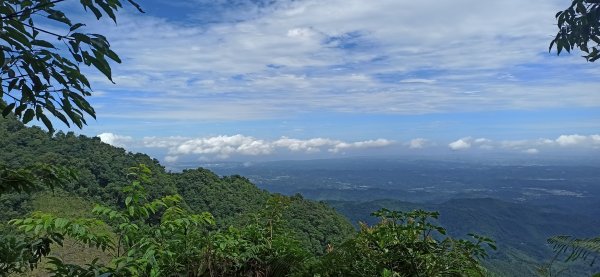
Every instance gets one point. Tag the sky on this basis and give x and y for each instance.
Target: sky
(214, 80)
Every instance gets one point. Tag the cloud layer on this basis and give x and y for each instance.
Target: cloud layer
(115, 140)
(342, 56)
(528, 146)
(224, 147)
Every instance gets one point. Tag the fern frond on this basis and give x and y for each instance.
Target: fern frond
(576, 248)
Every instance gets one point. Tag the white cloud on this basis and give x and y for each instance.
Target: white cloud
(310, 145)
(350, 56)
(418, 81)
(482, 140)
(378, 143)
(531, 151)
(171, 159)
(223, 147)
(570, 140)
(533, 146)
(461, 144)
(115, 140)
(158, 142)
(417, 143)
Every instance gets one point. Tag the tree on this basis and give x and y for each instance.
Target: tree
(145, 238)
(41, 68)
(406, 244)
(579, 27)
(41, 78)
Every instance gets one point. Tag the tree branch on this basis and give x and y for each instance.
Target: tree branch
(38, 7)
(47, 32)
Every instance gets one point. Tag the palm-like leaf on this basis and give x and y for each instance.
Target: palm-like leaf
(576, 248)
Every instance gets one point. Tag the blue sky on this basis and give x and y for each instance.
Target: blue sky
(269, 79)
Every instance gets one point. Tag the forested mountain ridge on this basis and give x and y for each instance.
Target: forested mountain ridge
(102, 170)
(235, 201)
(256, 232)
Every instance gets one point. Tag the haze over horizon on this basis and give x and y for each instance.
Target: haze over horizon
(230, 80)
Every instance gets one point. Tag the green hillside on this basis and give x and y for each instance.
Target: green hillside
(102, 169)
(520, 230)
(244, 213)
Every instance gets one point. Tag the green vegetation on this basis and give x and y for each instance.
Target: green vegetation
(38, 77)
(193, 223)
(153, 223)
(578, 27)
(520, 230)
(406, 244)
(575, 249)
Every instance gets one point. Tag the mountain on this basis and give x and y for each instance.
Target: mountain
(102, 171)
(520, 219)
(518, 205)
(520, 230)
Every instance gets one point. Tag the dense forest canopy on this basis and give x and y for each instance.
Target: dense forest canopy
(146, 221)
(247, 218)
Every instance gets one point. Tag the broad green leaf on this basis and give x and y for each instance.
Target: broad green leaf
(28, 116)
(42, 43)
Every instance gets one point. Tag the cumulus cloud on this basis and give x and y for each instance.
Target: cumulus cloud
(310, 145)
(115, 140)
(223, 147)
(340, 146)
(158, 142)
(482, 140)
(569, 140)
(529, 146)
(461, 144)
(298, 57)
(417, 143)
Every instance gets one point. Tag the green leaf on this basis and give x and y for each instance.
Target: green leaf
(136, 5)
(28, 116)
(100, 63)
(46, 122)
(16, 35)
(108, 10)
(113, 56)
(96, 11)
(81, 37)
(42, 43)
(76, 26)
(12, 84)
(8, 109)
(58, 16)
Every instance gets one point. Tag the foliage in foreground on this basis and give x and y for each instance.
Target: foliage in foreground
(161, 238)
(406, 244)
(579, 27)
(157, 238)
(40, 66)
(587, 249)
(146, 238)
